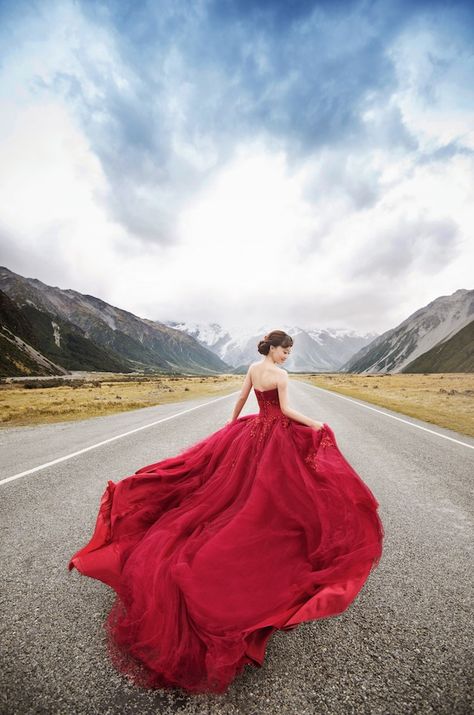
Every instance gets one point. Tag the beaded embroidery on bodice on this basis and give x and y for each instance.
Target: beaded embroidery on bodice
(270, 413)
(268, 401)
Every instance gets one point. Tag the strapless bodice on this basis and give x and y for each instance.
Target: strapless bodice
(270, 413)
(268, 401)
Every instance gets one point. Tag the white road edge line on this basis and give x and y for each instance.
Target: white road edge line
(110, 439)
(163, 419)
(393, 417)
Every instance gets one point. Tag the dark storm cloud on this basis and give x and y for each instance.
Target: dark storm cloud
(336, 174)
(443, 153)
(212, 75)
(295, 73)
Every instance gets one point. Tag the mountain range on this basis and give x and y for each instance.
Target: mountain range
(316, 350)
(46, 330)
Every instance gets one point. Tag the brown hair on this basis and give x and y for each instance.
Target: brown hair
(274, 337)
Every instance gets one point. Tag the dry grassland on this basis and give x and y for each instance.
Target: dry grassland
(20, 405)
(445, 399)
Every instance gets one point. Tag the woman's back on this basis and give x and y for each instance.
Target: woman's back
(264, 377)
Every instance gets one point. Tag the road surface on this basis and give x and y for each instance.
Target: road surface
(403, 646)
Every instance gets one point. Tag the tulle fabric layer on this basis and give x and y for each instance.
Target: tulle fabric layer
(250, 530)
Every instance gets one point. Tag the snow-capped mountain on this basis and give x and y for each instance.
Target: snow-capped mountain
(48, 330)
(314, 349)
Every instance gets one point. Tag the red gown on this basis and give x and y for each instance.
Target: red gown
(259, 526)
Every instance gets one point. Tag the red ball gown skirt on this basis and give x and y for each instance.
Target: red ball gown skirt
(260, 526)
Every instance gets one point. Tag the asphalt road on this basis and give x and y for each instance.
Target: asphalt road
(403, 646)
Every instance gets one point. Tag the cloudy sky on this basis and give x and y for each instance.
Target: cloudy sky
(245, 162)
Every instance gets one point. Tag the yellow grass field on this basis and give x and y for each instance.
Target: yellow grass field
(446, 400)
(104, 395)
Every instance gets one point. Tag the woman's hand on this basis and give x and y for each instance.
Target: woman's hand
(317, 425)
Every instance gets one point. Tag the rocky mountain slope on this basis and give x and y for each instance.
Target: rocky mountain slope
(434, 338)
(115, 338)
(35, 342)
(46, 330)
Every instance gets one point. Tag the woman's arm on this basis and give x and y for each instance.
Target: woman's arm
(238, 407)
(243, 395)
(288, 411)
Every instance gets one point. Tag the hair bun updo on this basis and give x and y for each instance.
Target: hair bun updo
(263, 347)
(276, 338)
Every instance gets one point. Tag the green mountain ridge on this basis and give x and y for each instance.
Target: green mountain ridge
(93, 335)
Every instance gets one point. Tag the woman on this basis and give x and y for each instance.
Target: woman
(259, 526)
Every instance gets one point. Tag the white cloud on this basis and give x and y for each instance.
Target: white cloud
(435, 67)
(355, 236)
(50, 197)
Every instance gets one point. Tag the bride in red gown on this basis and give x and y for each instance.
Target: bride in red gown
(260, 526)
